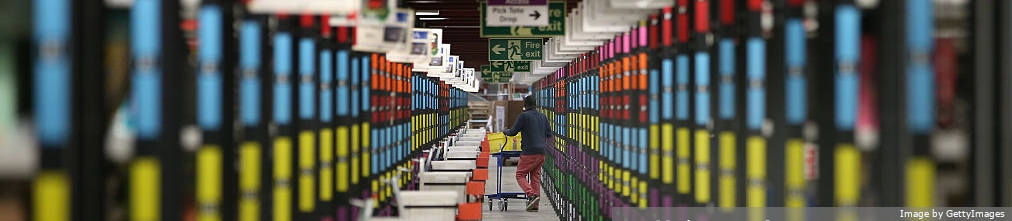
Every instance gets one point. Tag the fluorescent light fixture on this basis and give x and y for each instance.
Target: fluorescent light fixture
(431, 19)
(455, 26)
(427, 12)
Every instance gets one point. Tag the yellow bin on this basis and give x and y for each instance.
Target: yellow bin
(496, 140)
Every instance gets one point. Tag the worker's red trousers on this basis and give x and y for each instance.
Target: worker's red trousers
(530, 165)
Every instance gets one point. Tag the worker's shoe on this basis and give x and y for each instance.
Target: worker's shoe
(532, 203)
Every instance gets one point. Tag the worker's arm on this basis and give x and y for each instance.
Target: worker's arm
(517, 126)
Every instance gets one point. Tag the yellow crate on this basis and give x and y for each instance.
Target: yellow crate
(496, 140)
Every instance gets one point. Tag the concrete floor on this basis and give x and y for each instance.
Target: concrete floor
(516, 206)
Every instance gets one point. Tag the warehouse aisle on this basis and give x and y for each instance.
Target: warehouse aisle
(516, 209)
(358, 110)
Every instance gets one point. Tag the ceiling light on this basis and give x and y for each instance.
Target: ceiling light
(455, 26)
(427, 12)
(431, 19)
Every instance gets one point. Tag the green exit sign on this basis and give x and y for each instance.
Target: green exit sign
(510, 66)
(490, 76)
(556, 25)
(527, 49)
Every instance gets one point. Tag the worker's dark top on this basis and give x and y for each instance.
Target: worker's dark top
(536, 131)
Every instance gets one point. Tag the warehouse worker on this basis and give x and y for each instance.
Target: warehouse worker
(536, 132)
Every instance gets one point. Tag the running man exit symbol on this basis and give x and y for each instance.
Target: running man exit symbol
(514, 49)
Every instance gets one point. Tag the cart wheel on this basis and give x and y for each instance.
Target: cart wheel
(505, 205)
(490, 205)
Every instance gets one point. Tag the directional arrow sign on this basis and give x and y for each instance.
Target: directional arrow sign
(490, 76)
(497, 66)
(516, 15)
(514, 49)
(510, 66)
(498, 24)
(498, 49)
(507, 13)
(499, 77)
(517, 2)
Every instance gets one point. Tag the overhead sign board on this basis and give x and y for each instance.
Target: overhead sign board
(508, 13)
(510, 66)
(490, 76)
(517, 2)
(305, 6)
(497, 77)
(555, 27)
(514, 49)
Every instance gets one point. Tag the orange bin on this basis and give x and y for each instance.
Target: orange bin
(484, 145)
(479, 174)
(482, 160)
(475, 189)
(469, 211)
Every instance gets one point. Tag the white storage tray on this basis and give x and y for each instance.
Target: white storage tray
(455, 188)
(452, 165)
(443, 177)
(468, 143)
(463, 148)
(428, 198)
(462, 154)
